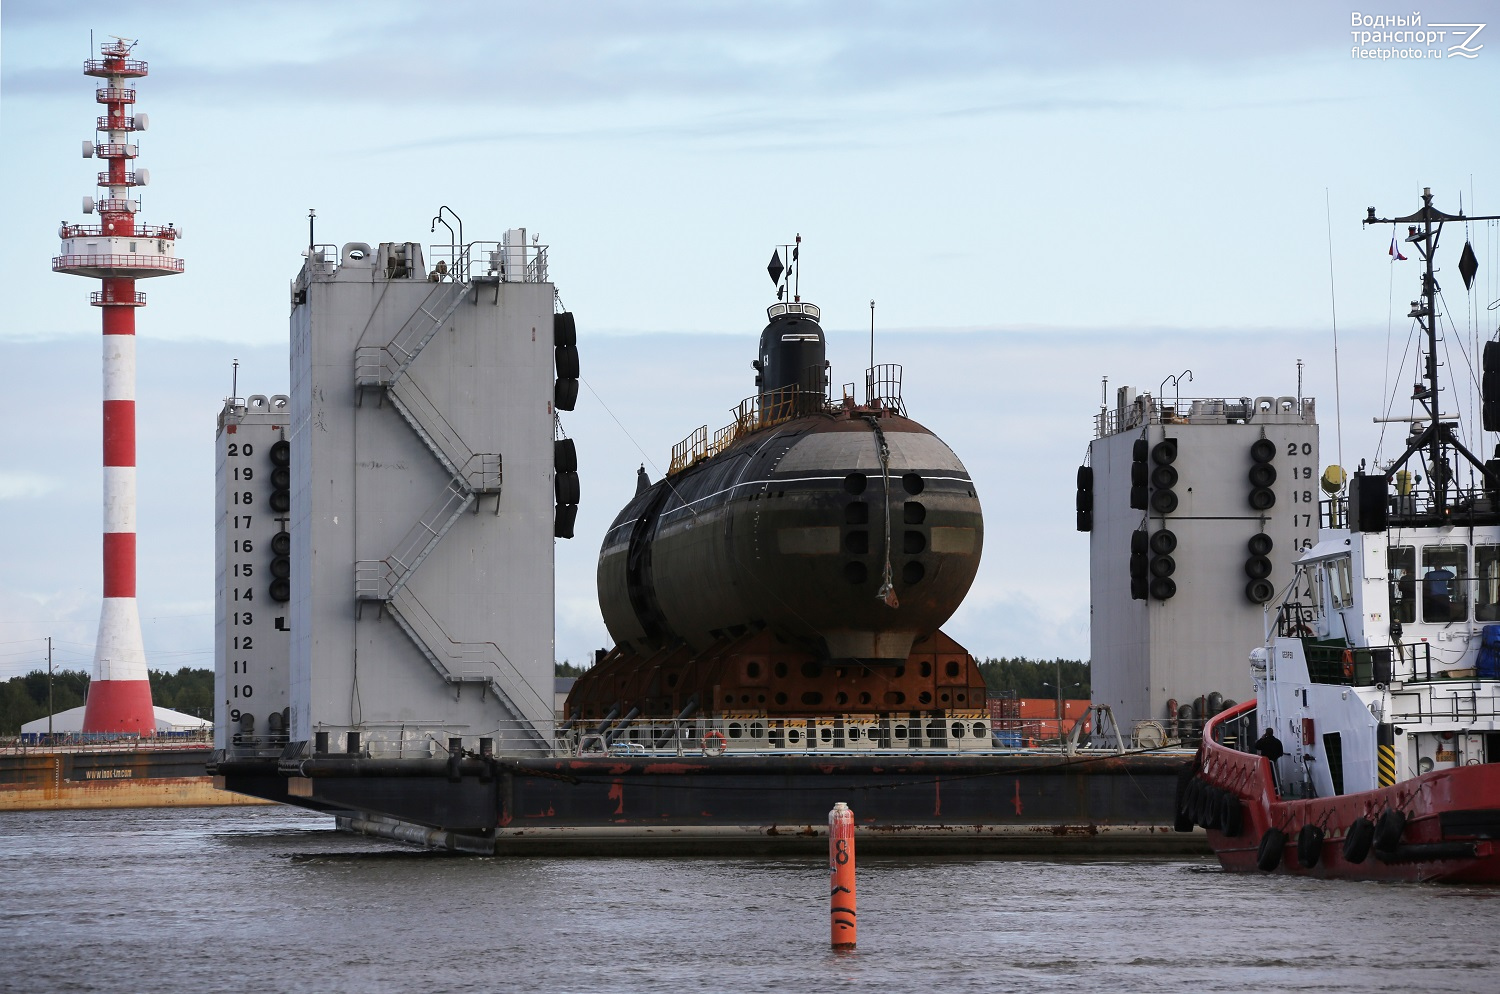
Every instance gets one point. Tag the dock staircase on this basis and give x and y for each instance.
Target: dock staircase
(471, 477)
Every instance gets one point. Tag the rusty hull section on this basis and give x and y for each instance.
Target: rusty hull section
(757, 674)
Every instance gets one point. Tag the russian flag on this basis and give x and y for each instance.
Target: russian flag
(1395, 252)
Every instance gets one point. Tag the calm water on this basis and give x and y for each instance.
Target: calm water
(272, 899)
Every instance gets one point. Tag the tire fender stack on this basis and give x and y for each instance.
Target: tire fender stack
(1085, 498)
(1259, 589)
(565, 349)
(1262, 474)
(1140, 474)
(1163, 501)
(280, 587)
(1207, 806)
(566, 487)
(1140, 577)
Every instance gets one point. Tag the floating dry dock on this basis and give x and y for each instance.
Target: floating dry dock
(385, 637)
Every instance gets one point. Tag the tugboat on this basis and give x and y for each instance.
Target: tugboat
(1372, 748)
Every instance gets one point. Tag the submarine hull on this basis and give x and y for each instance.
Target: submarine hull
(791, 530)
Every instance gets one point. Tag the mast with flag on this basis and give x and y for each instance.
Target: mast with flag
(792, 270)
(1439, 436)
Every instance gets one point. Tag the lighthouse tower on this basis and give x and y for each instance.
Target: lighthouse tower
(118, 251)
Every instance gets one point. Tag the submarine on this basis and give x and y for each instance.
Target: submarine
(799, 563)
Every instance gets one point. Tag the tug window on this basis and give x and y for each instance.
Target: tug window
(1487, 583)
(1403, 563)
(1444, 589)
(1340, 593)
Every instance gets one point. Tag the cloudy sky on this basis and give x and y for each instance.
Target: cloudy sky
(1037, 196)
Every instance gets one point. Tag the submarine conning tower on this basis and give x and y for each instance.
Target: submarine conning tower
(800, 561)
(793, 352)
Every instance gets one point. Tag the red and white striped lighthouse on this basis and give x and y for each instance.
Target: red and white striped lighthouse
(118, 251)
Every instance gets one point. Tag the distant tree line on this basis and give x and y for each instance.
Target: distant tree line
(1035, 677)
(566, 668)
(24, 698)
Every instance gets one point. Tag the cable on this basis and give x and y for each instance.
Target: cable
(1338, 408)
(887, 591)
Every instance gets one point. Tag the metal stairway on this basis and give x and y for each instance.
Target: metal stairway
(382, 579)
(378, 366)
(475, 663)
(471, 475)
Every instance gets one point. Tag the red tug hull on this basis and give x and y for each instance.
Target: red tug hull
(1447, 826)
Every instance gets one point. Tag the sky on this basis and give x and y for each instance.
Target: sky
(1037, 197)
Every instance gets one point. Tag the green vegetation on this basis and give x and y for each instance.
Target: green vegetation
(188, 691)
(566, 668)
(24, 698)
(1035, 677)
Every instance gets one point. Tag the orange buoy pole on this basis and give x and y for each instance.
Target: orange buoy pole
(841, 900)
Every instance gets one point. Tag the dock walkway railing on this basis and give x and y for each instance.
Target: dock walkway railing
(103, 741)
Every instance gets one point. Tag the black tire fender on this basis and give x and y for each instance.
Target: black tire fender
(1388, 830)
(1190, 799)
(1183, 819)
(1272, 845)
(1357, 840)
(1208, 807)
(1309, 846)
(1231, 816)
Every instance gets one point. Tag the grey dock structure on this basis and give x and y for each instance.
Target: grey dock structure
(420, 518)
(1196, 510)
(252, 558)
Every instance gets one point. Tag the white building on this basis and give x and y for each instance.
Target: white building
(71, 721)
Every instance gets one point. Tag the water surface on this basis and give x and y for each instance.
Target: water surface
(275, 899)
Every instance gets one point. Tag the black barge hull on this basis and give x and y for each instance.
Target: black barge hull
(1007, 804)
